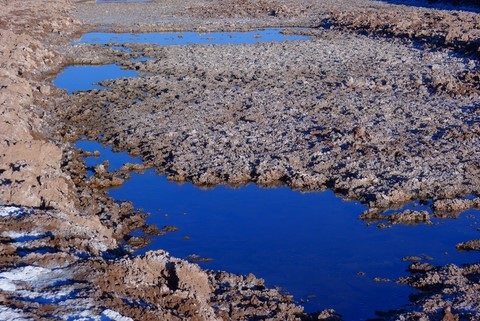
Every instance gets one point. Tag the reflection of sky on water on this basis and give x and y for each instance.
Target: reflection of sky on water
(86, 77)
(75, 78)
(310, 244)
(116, 160)
(188, 38)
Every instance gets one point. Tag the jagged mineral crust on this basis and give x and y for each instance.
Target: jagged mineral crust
(381, 120)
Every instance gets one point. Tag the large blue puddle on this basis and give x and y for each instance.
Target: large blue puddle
(311, 244)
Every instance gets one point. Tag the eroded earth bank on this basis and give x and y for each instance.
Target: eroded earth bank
(381, 105)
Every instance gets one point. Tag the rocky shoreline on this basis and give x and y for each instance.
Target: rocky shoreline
(61, 239)
(65, 245)
(329, 131)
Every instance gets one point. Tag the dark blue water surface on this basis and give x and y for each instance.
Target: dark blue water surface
(81, 77)
(188, 38)
(310, 244)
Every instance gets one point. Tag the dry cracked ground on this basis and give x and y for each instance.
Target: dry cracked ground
(380, 105)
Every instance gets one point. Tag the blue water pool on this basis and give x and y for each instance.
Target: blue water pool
(188, 38)
(310, 244)
(76, 78)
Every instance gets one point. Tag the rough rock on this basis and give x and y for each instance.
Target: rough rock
(446, 292)
(30, 164)
(374, 119)
(442, 208)
(312, 115)
(473, 245)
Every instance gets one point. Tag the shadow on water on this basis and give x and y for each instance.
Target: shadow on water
(463, 5)
(311, 244)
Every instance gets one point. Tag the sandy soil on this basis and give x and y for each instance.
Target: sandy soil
(381, 119)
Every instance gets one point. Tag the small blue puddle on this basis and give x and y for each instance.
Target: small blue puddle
(28, 238)
(189, 38)
(116, 160)
(310, 244)
(141, 59)
(76, 78)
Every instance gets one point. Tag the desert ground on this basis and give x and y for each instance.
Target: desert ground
(380, 106)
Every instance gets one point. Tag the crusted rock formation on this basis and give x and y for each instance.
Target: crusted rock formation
(374, 119)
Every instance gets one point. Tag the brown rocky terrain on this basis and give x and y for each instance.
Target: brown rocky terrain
(432, 28)
(30, 162)
(446, 293)
(372, 118)
(60, 235)
(377, 121)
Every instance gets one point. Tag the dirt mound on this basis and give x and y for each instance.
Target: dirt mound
(157, 286)
(30, 165)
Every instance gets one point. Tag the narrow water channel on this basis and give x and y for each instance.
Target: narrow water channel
(310, 244)
(190, 38)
